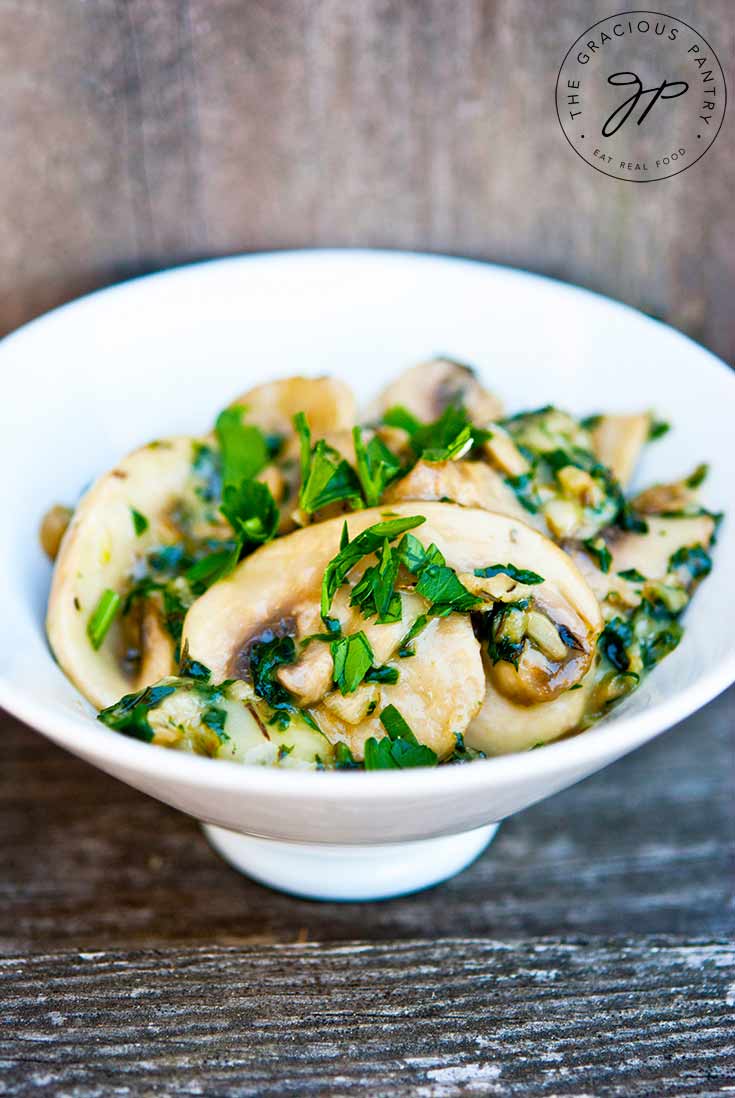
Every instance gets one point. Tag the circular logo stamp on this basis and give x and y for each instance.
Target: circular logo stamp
(641, 96)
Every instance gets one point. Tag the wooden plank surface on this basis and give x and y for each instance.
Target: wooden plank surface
(140, 133)
(641, 848)
(430, 1019)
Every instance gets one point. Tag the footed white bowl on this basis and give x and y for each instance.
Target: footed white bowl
(161, 355)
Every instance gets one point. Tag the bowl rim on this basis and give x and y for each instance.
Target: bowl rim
(107, 748)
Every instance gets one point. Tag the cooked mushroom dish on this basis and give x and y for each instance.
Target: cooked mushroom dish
(436, 583)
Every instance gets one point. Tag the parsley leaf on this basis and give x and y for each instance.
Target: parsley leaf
(344, 759)
(633, 575)
(353, 658)
(694, 559)
(251, 511)
(130, 713)
(140, 522)
(597, 548)
(697, 477)
(520, 575)
(214, 718)
(243, 446)
(445, 591)
(352, 552)
(193, 669)
(398, 750)
(375, 593)
(325, 475)
(266, 656)
(102, 617)
(398, 416)
(377, 466)
(444, 439)
(658, 429)
(406, 648)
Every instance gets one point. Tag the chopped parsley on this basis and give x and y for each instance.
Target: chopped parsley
(353, 658)
(406, 647)
(252, 513)
(325, 475)
(400, 749)
(352, 552)
(214, 718)
(658, 429)
(377, 466)
(243, 447)
(266, 656)
(597, 548)
(632, 575)
(102, 617)
(520, 575)
(447, 438)
(697, 477)
(140, 522)
(693, 560)
(130, 714)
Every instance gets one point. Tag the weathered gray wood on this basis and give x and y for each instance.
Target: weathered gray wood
(642, 848)
(433, 1020)
(140, 133)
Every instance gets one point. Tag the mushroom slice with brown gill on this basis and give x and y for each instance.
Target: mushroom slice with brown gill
(329, 405)
(442, 685)
(136, 508)
(427, 389)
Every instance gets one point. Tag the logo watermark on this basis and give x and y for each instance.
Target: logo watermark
(641, 96)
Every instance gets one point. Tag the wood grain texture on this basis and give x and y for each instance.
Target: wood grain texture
(429, 1019)
(140, 133)
(641, 848)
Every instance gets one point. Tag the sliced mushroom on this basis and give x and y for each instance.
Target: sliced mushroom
(328, 403)
(469, 483)
(282, 581)
(102, 550)
(647, 554)
(428, 388)
(503, 726)
(618, 440)
(439, 691)
(650, 553)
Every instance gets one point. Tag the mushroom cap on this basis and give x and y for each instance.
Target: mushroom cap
(427, 388)
(329, 405)
(100, 550)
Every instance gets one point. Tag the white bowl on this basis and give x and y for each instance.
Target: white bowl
(161, 355)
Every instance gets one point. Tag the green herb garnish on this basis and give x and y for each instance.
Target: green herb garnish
(252, 513)
(658, 429)
(633, 575)
(130, 714)
(597, 548)
(352, 552)
(520, 575)
(266, 656)
(325, 475)
(103, 617)
(140, 522)
(377, 466)
(353, 658)
(398, 750)
(243, 447)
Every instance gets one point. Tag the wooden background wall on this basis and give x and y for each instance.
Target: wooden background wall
(136, 134)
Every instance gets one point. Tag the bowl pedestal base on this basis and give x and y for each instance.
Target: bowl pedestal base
(318, 871)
